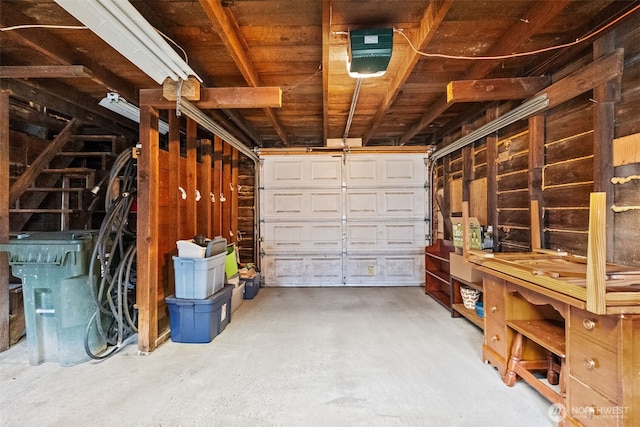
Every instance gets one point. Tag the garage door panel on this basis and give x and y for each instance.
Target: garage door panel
(355, 220)
(302, 270)
(384, 269)
(385, 203)
(302, 237)
(385, 236)
(299, 204)
(372, 171)
(302, 171)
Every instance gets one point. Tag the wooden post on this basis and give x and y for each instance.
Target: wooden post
(604, 113)
(204, 185)
(174, 174)
(4, 219)
(596, 253)
(536, 163)
(217, 186)
(148, 230)
(492, 178)
(234, 194)
(191, 185)
(226, 190)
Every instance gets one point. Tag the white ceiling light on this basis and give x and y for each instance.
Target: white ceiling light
(117, 104)
(118, 23)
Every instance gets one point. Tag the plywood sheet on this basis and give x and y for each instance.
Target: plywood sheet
(626, 150)
(478, 200)
(455, 196)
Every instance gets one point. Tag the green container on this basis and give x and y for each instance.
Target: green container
(56, 289)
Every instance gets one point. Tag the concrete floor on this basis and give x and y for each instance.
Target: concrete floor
(290, 357)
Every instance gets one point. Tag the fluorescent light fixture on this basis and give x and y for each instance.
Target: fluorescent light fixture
(369, 52)
(117, 104)
(119, 24)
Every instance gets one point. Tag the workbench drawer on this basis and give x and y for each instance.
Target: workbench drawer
(594, 365)
(590, 408)
(495, 337)
(602, 330)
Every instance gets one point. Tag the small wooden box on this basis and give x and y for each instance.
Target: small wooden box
(463, 270)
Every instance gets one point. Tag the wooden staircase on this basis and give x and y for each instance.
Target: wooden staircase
(59, 193)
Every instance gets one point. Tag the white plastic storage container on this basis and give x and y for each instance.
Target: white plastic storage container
(198, 278)
(190, 249)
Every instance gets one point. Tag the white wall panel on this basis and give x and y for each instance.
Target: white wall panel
(386, 203)
(385, 270)
(388, 170)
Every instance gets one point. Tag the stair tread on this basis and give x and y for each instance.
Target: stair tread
(69, 170)
(86, 153)
(55, 189)
(45, 210)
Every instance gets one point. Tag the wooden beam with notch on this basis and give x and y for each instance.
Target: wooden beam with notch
(495, 89)
(219, 98)
(225, 25)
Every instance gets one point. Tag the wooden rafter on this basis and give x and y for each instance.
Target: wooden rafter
(433, 16)
(228, 30)
(61, 52)
(44, 71)
(537, 17)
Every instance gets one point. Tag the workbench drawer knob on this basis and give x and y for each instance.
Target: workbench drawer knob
(589, 364)
(494, 308)
(495, 338)
(589, 324)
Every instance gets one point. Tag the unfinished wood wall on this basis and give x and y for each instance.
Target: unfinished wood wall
(558, 158)
(627, 127)
(567, 176)
(187, 188)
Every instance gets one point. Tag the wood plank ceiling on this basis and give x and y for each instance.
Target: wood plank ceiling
(301, 47)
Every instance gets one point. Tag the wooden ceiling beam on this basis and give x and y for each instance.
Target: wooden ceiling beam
(433, 16)
(72, 103)
(536, 18)
(44, 72)
(227, 28)
(495, 89)
(220, 97)
(61, 52)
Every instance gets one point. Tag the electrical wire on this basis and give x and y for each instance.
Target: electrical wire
(59, 27)
(520, 54)
(112, 269)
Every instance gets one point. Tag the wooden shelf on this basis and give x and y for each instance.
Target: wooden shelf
(547, 333)
(469, 314)
(458, 308)
(437, 272)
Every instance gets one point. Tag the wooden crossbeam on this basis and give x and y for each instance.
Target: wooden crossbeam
(44, 71)
(495, 89)
(216, 98)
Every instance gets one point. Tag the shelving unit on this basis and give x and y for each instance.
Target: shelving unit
(457, 307)
(437, 272)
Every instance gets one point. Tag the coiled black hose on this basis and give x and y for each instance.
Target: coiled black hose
(112, 269)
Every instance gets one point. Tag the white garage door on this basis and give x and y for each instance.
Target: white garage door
(335, 220)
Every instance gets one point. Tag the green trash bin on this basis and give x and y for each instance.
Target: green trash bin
(56, 288)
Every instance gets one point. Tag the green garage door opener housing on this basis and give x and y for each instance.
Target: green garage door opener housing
(369, 51)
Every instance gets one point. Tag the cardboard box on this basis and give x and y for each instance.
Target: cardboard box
(463, 270)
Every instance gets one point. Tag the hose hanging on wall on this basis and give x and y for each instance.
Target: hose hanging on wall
(113, 263)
